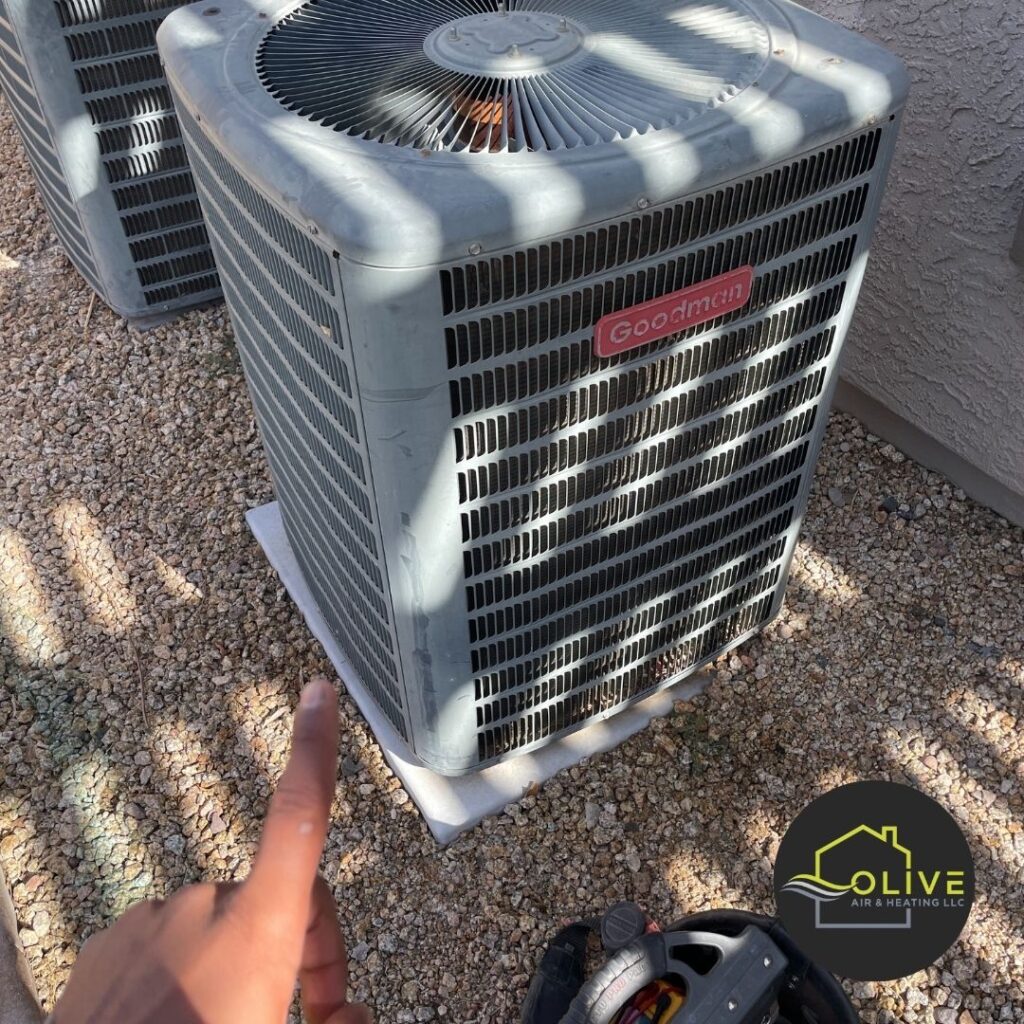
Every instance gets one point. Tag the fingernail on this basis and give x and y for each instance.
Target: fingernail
(314, 694)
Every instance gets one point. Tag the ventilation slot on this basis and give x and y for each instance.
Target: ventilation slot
(607, 476)
(138, 135)
(148, 193)
(197, 287)
(570, 671)
(84, 12)
(617, 690)
(154, 248)
(556, 369)
(629, 505)
(161, 218)
(576, 615)
(183, 266)
(613, 549)
(119, 74)
(119, 39)
(646, 424)
(88, 46)
(131, 106)
(525, 328)
(621, 609)
(146, 164)
(500, 279)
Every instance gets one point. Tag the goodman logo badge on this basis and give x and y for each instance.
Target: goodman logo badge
(874, 880)
(661, 318)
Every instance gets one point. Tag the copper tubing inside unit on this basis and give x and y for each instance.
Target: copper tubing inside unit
(482, 128)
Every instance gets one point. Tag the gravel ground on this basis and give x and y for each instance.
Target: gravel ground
(150, 660)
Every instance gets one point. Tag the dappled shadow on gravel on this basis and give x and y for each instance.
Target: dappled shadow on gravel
(150, 661)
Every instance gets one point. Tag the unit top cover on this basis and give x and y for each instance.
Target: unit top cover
(412, 131)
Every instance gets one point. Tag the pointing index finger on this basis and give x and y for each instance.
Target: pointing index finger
(296, 824)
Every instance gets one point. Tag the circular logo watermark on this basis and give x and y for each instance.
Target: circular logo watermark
(874, 881)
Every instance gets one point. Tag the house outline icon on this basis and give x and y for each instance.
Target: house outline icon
(887, 835)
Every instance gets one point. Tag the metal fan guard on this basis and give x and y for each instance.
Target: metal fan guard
(535, 75)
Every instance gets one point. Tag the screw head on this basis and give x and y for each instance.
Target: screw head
(475, 249)
(454, 35)
(732, 1005)
(642, 203)
(767, 961)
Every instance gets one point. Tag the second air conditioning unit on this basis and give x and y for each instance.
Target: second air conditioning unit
(540, 307)
(84, 81)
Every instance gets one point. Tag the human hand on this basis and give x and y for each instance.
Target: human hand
(231, 954)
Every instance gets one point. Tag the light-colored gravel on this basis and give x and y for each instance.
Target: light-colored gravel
(150, 661)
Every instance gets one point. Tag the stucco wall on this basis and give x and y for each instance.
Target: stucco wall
(939, 336)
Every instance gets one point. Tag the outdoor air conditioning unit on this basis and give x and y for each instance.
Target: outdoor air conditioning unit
(84, 82)
(540, 309)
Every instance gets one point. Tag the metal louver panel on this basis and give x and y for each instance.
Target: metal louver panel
(42, 154)
(567, 73)
(624, 519)
(283, 292)
(120, 195)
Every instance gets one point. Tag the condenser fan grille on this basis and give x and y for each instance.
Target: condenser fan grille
(486, 76)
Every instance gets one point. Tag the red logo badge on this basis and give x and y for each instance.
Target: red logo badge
(659, 318)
